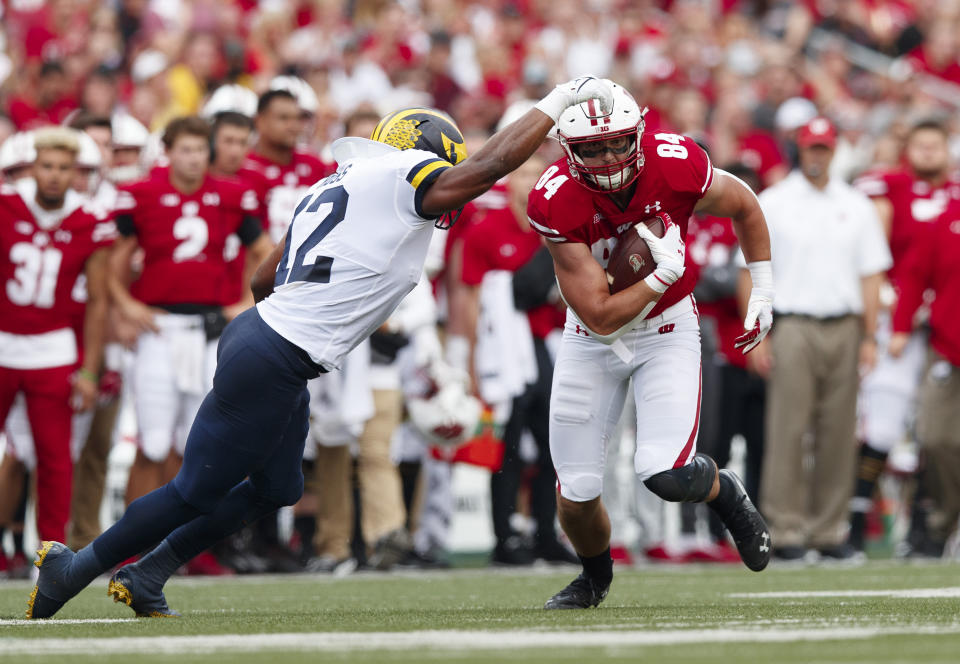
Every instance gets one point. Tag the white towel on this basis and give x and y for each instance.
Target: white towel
(504, 360)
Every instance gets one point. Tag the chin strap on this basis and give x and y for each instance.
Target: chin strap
(448, 219)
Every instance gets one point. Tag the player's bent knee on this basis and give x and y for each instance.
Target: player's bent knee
(690, 484)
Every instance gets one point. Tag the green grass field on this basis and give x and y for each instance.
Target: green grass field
(881, 612)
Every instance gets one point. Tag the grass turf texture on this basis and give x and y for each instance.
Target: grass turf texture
(679, 604)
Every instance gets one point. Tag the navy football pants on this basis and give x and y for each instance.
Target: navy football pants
(243, 455)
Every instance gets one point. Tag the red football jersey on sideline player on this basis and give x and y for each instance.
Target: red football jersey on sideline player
(183, 237)
(496, 241)
(676, 174)
(934, 262)
(40, 263)
(281, 186)
(913, 201)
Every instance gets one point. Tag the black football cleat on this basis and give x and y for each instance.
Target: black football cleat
(749, 530)
(582, 593)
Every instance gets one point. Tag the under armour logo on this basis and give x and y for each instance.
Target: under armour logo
(582, 331)
(655, 207)
(765, 544)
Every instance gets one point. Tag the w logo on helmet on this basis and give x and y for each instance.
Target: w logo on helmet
(422, 129)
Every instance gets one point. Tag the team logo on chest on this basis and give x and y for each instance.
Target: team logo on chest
(23, 227)
(652, 208)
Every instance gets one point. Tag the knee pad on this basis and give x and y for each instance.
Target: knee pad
(690, 484)
(581, 487)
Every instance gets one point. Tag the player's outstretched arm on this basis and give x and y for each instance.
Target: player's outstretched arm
(729, 196)
(509, 148)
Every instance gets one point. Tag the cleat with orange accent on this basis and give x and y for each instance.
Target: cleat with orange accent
(128, 587)
(52, 591)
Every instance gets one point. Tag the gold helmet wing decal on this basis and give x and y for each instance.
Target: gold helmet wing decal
(456, 152)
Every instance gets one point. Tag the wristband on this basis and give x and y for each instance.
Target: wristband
(761, 274)
(553, 105)
(656, 283)
(86, 373)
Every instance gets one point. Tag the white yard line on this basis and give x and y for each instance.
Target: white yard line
(68, 621)
(912, 593)
(453, 640)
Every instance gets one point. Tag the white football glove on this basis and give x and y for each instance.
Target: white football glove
(759, 318)
(574, 92)
(668, 253)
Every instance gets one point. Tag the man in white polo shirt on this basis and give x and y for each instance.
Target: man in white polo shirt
(830, 254)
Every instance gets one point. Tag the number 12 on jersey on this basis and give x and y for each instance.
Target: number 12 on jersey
(301, 260)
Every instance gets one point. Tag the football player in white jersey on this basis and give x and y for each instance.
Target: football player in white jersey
(355, 247)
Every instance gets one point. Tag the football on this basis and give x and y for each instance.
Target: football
(631, 260)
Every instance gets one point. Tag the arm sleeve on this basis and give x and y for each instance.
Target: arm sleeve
(123, 213)
(250, 229)
(421, 177)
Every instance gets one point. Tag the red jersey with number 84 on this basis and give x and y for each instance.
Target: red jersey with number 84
(676, 174)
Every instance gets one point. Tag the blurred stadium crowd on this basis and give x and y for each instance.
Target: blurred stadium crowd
(742, 77)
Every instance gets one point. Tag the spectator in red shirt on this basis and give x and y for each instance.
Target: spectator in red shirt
(50, 103)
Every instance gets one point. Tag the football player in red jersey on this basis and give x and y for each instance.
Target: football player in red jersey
(908, 201)
(281, 172)
(48, 238)
(181, 218)
(614, 175)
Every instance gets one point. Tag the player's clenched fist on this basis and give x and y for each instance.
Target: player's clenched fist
(668, 253)
(759, 318)
(577, 91)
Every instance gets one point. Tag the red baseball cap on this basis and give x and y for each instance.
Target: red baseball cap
(819, 131)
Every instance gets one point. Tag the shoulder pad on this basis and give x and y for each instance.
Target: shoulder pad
(682, 163)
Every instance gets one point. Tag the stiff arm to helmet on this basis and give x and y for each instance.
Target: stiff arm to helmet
(506, 150)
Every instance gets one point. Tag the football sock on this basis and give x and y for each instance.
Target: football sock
(306, 526)
(598, 567)
(726, 500)
(147, 521)
(17, 536)
(871, 464)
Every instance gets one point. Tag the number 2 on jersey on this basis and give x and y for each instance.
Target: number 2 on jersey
(301, 260)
